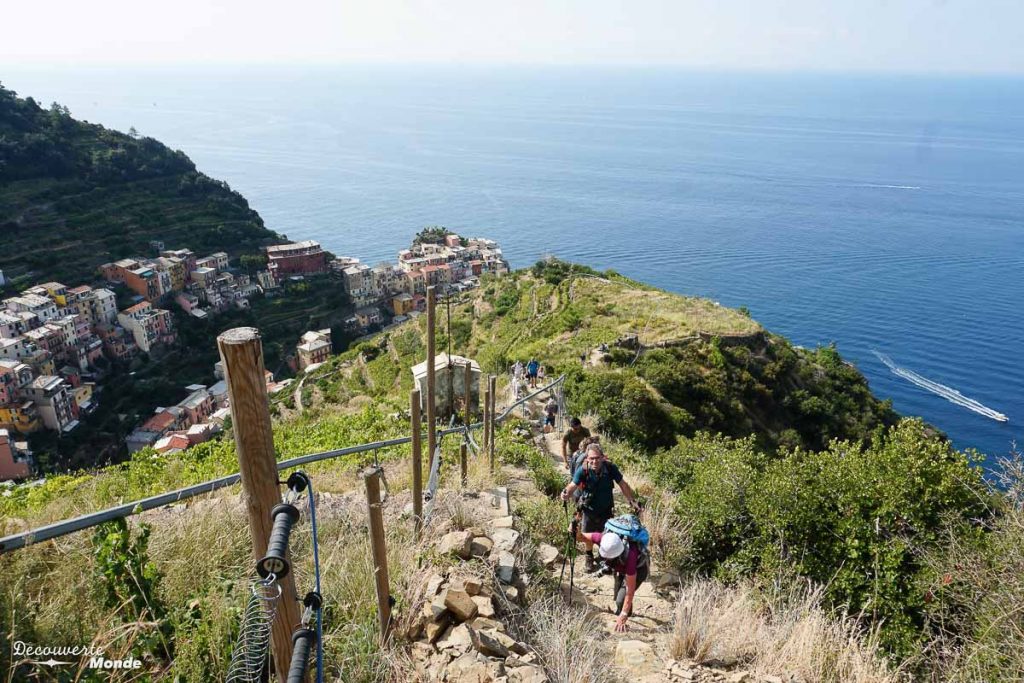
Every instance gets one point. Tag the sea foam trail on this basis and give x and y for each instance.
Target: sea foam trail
(948, 393)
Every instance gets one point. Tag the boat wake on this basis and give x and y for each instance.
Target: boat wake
(889, 187)
(948, 393)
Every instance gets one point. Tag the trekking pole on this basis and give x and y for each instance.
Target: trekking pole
(573, 528)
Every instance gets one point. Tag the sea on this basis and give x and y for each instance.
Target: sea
(882, 213)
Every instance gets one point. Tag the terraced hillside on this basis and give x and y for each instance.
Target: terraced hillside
(74, 195)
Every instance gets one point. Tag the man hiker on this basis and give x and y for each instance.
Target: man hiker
(596, 478)
(572, 439)
(577, 458)
(629, 562)
(550, 413)
(531, 372)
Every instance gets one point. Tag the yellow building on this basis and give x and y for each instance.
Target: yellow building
(402, 304)
(23, 418)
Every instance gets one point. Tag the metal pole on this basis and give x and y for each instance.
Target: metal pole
(486, 414)
(492, 386)
(431, 379)
(379, 550)
(469, 392)
(241, 351)
(462, 464)
(417, 461)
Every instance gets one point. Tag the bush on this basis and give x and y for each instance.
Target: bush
(859, 519)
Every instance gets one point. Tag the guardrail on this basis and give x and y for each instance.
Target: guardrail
(62, 528)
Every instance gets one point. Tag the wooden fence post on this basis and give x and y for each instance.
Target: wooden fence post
(417, 461)
(379, 550)
(469, 392)
(431, 379)
(462, 464)
(492, 390)
(241, 351)
(486, 415)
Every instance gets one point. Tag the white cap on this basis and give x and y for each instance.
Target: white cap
(611, 546)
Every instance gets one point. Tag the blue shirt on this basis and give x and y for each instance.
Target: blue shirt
(599, 484)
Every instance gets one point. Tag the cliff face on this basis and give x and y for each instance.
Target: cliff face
(74, 195)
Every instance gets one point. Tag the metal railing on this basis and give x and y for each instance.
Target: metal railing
(68, 526)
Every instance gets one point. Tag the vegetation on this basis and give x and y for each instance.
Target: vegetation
(74, 195)
(768, 466)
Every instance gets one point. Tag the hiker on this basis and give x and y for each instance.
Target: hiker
(531, 372)
(541, 374)
(517, 370)
(572, 439)
(576, 459)
(550, 413)
(597, 478)
(623, 546)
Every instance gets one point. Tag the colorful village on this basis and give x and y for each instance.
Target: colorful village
(58, 342)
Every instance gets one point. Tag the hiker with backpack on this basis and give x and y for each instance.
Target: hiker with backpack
(531, 372)
(596, 478)
(623, 547)
(550, 414)
(571, 441)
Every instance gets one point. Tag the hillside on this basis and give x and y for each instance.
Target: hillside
(74, 195)
(811, 532)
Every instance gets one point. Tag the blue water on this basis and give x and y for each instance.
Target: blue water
(877, 212)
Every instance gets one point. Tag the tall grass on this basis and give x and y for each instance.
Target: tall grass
(788, 632)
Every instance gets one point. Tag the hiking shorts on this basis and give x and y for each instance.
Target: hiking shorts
(594, 521)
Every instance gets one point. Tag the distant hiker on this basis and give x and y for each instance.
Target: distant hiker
(531, 372)
(572, 439)
(541, 374)
(577, 458)
(623, 546)
(517, 369)
(550, 413)
(597, 478)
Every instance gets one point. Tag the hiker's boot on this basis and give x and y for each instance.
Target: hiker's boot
(589, 565)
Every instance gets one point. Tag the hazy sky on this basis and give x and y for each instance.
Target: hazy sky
(892, 35)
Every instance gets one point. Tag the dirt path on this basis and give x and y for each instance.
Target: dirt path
(646, 645)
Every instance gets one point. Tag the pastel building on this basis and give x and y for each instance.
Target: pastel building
(148, 326)
(297, 258)
(14, 462)
(54, 401)
(315, 348)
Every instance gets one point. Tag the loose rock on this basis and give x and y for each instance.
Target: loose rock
(460, 604)
(506, 566)
(487, 644)
(456, 543)
(548, 555)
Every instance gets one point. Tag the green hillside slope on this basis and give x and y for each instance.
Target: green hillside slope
(74, 195)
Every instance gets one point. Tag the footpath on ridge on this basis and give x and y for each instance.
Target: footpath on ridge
(469, 624)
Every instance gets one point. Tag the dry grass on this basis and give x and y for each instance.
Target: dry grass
(564, 639)
(790, 633)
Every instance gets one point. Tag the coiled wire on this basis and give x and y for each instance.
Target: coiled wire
(251, 649)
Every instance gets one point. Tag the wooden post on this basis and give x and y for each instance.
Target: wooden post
(486, 416)
(462, 464)
(417, 461)
(469, 392)
(379, 550)
(492, 389)
(241, 351)
(431, 379)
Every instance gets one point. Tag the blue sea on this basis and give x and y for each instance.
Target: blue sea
(882, 213)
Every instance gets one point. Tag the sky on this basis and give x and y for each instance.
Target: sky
(917, 36)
